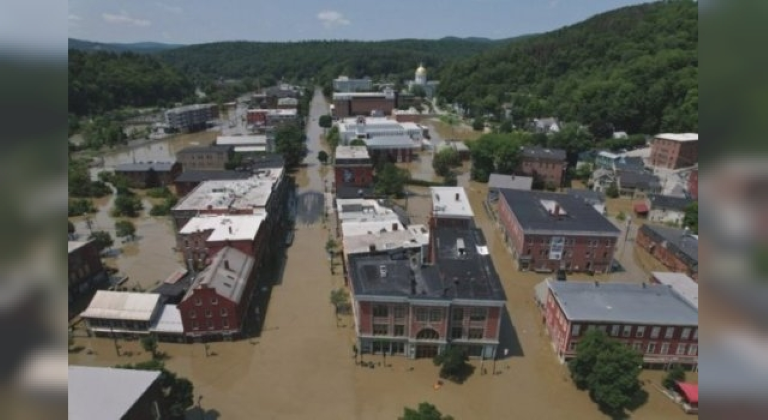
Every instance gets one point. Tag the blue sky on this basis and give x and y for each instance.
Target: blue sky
(199, 21)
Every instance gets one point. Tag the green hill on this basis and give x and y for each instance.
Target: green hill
(137, 47)
(635, 68)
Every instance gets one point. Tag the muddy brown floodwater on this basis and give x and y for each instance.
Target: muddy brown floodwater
(302, 367)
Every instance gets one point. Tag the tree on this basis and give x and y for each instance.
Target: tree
(444, 160)
(357, 142)
(322, 156)
(418, 91)
(80, 206)
(496, 153)
(325, 121)
(676, 374)
(102, 239)
(127, 206)
(608, 369)
(340, 301)
(478, 124)
(149, 343)
(289, 141)
(453, 364)
(390, 180)
(691, 218)
(426, 411)
(613, 190)
(125, 229)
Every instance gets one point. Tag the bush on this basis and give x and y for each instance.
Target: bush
(127, 206)
(621, 216)
(453, 364)
(160, 192)
(676, 374)
(163, 209)
(80, 206)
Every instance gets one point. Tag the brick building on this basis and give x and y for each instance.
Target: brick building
(693, 184)
(676, 248)
(651, 318)
(191, 117)
(97, 393)
(215, 307)
(551, 231)
(149, 174)
(451, 208)
(189, 180)
(86, 271)
(204, 158)
(546, 165)
(204, 236)
(353, 167)
(271, 117)
(350, 104)
(683, 285)
(674, 151)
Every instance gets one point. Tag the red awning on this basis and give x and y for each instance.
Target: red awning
(690, 391)
(641, 208)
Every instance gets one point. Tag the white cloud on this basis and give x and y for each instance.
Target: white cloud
(73, 17)
(332, 19)
(170, 8)
(124, 19)
(554, 3)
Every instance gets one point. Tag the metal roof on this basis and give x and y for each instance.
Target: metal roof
(679, 241)
(228, 273)
(514, 182)
(128, 306)
(627, 303)
(537, 152)
(145, 166)
(683, 285)
(98, 393)
(681, 137)
(666, 202)
(169, 321)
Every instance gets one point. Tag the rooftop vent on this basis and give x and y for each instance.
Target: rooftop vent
(383, 271)
(460, 248)
(458, 197)
(226, 264)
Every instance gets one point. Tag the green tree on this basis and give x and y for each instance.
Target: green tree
(322, 156)
(102, 239)
(340, 299)
(453, 364)
(444, 160)
(125, 229)
(426, 411)
(357, 142)
(80, 206)
(676, 374)
(478, 124)
(289, 141)
(418, 91)
(496, 153)
(149, 343)
(691, 217)
(608, 369)
(325, 121)
(390, 180)
(127, 206)
(613, 190)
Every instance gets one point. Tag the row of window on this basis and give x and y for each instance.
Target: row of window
(651, 348)
(209, 324)
(209, 313)
(568, 253)
(591, 243)
(626, 331)
(430, 315)
(456, 332)
(213, 301)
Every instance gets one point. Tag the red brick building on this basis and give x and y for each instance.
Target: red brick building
(149, 174)
(674, 151)
(204, 236)
(545, 165)
(85, 268)
(676, 248)
(651, 318)
(350, 104)
(551, 231)
(353, 167)
(693, 184)
(216, 305)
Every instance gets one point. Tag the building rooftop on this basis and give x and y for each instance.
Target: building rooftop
(637, 179)
(265, 161)
(356, 243)
(97, 393)
(680, 137)
(685, 286)
(251, 140)
(349, 95)
(144, 166)
(169, 321)
(240, 227)
(228, 273)
(362, 209)
(554, 213)
(200, 176)
(450, 202)
(192, 107)
(204, 149)
(666, 202)
(73, 246)
(630, 303)
(590, 196)
(352, 153)
(388, 142)
(251, 193)
(348, 192)
(536, 152)
(679, 241)
(127, 306)
(514, 182)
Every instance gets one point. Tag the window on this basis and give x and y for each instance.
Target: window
(664, 348)
(475, 334)
(225, 323)
(435, 315)
(637, 346)
(640, 332)
(457, 314)
(399, 330)
(693, 350)
(615, 330)
(696, 334)
(602, 328)
(399, 312)
(208, 313)
(478, 314)
(457, 332)
(572, 345)
(209, 323)
(575, 330)
(655, 332)
(421, 315)
(195, 325)
(587, 254)
(651, 348)
(223, 312)
(627, 331)
(193, 314)
(669, 333)
(198, 301)
(214, 301)
(380, 329)
(685, 334)
(380, 311)
(681, 348)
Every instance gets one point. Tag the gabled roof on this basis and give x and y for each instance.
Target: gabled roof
(129, 306)
(638, 179)
(200, 176)
(536, 152)
(679, 241)
(514, 182)
(665, 202)
(228, 273)
(98, 393)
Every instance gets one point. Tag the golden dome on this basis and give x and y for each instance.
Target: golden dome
(421, 71)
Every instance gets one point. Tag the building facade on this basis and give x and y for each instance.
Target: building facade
(550, 231)
(351, 104)
(86, 271)
(674, 151)
(191, 117)
(204, 236)
(121, 314)
(149, 174)
(204, 158)
(545, 165)
(676, 248)
(353, 167)
(345, 84)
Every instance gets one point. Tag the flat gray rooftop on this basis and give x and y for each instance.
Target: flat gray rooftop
(100, 393)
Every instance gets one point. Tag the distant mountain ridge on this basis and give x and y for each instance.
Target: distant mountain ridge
(137, 47)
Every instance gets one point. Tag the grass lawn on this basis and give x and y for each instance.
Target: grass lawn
(458, 132)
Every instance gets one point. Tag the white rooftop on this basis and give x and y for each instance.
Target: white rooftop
(361, 242)
(241, 140)
(362, 209)
(250, 149)
(368, 227)
(98, 393)
(75, 245)
(169, 321)
(228, 273)
(678, 136)
(352, 152)
(450, 202)
(685, 286)
(251, 193)
(239, 227)
(122, 305)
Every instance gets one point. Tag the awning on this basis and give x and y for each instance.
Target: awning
(690, 391)
(641, 208)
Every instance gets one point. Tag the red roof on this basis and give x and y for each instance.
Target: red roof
(641, 208)
(691, 391)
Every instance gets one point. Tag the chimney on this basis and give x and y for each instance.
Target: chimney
(230, 229)
(557, 209)
(394, 226)
(457, 196)
(226, 264)
(372, 248)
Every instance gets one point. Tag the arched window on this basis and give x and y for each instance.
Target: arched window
(428, 334)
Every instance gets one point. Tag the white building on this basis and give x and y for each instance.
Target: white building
(345, 84)
(371, 127)
(420, 80)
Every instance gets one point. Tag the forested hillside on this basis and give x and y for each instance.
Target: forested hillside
(321, 60)
(635, 68)
(103, 81)
(137, 47)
